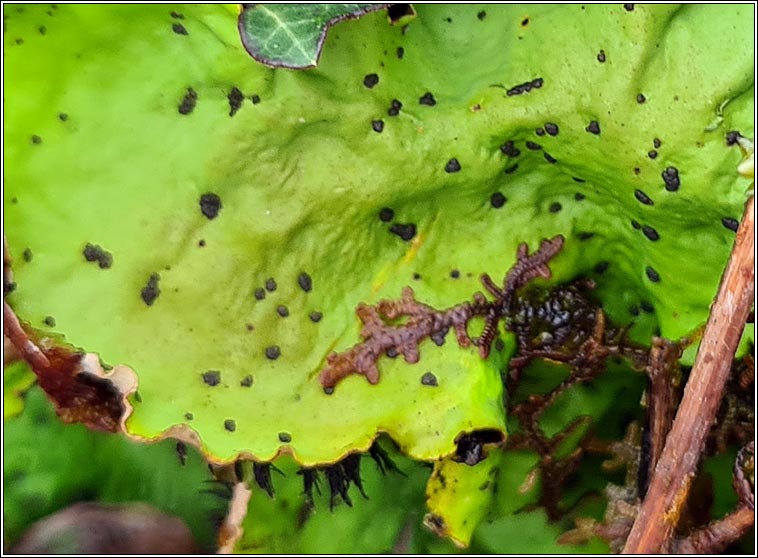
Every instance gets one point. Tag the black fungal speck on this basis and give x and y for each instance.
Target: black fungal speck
(642, 197)
(285, 437)
(19, 41)
(551, 128)
(176, 15)
(452, 165)
(650, 233)
(601, 267)
(386, 214)
(370, 80)
(481, 15)
(579, 196)
(230, 425)
(671, 179)
(497, 200)
(427, 99)
(282, 311)
(429, 379)
(652, 274)
(235, 98)
(647, 307)
(179, 29)
(652, 154)
(247, 381)
(94, 253)
(395, 107)
(36, 140)
(210, 205)
(540, 132)
(42, 30)
(249, 327)
(27, 255)
(729, 223)
(315, 316)
(732, 137)
(525, 87)
(255, 99)
(400, 52)
(62, 116)
(549, 158)
(640, 98)
(533, 146)
(579, 180)
(555, 207)
(259, 293)
(151, 291)
(201, 243)
(656, 143)
(270, 284)
(188, 101)
(416, 276)
(273, 352)
(601, 56)
(629, 7)
(525, 22)
(455, 274)
(511, 169)
(636, 225)
(305, 282)
(509, 149)
(49, 321)
(212, 377)
(329, 390)
(377, 126)
(406, 231)
(593, 127)
(189, 416)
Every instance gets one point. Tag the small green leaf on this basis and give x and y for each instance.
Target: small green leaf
(292, 35)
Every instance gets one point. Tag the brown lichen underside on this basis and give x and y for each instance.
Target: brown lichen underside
(75, 386)
(423, 321)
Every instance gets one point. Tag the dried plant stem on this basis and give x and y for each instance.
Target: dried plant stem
(670, 485)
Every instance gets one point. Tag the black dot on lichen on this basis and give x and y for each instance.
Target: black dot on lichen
(255, 99)
(49, 321)
(642, 197)
(285, 437)
(509, 149)
(249, 327)
(19, 41)
(584, 235)
(395, 107)
(652, 154)
(511, 169)
(671, 179)
(259, 293)
(94, 253)
(579, 196)
(329, 390)
(62, 116)
(273, 352)
(656, 143)
(729, 223)
(555, 207)
(579, 180)
(429, 379)
(455, 274)
(282, 311)
(427, 99)
(634, 311)
(629, 7)
(315, 316)
(189, 416)
(497, 200)
(377, 126)
(593, 127)
(179, 29)
(416, 276)
(533, 146)
(42, 30)
(647, 307)
(540, 132)
(400, 52)
(201, 243)
(601, 56)
(36, 140)
(188, 101)
(305, 282)
(405, 231)
(212, 377)
(235, 98)
(210, 205)
(549, 158)
(452, 166)
(386, 214)
(247, 381)
(602, 267)
(370, 80)
(640, 98)
(151, 291)
(176, 15)
(481, 15)
(525, 22)
(230, 425)
(636, 225)
(650, 233)
(551, 128)
(652, 274)
(27, 255)
(270, 284)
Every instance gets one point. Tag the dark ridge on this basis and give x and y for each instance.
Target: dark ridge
(452, 165)
(481, 15)
(555, 207)
(671, 179)
(386, 214)
(511, 169)
(285, 438)
(593, 127)
(27, 255)
(315, 316)
(230, 425)
(395, 107)
(235, 98)
(179, 29)
(652, 154)
(642, 197)
(533, 146)
(579, 196)
(525, 87)
(94, 253)
(652, 274)
(497, 200)
(49, 321)
(429, 379)
(406, 231)
(282, 311)
(400, 52)
(551, 128)
(188, 102)
(305, 282)
(729, 223)
(656, 143)
(36, 140)
(270, 284)
(427, 99)
(549, 158)
(509, 149)
(602, 267)
(377, 126)
(370, 80)
(601, 56)
(210, 205)
(212, 377)
(259, 293)
(650, 233)
(640, 98)
(273, 352)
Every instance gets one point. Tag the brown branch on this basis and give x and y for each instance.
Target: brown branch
(670, 485)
